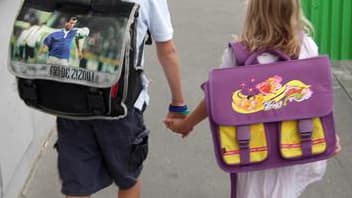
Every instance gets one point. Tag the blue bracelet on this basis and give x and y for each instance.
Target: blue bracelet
(179, 109)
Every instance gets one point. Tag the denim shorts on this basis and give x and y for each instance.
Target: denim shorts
(92, 154)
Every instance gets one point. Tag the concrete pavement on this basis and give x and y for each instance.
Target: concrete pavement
(186, 168)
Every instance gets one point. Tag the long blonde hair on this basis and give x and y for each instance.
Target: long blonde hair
(275, 24)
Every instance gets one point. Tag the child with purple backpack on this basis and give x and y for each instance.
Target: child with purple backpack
(269, 25)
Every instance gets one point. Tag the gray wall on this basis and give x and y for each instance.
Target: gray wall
(23, 130)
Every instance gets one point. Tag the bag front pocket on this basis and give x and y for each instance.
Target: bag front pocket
(243, 144)
(302, 138)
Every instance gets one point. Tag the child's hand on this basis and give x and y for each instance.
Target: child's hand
(173, 115)
(178, 125)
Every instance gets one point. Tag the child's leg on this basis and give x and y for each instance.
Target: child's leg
(81, 165)
(123, 144)
(133, 192)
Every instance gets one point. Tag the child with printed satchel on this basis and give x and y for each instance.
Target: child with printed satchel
(271, 120)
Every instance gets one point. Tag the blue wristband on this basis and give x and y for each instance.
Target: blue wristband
(179, 109)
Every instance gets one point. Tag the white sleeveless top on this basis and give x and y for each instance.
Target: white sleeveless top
(287, 182)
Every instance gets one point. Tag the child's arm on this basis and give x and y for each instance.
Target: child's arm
(185, 126)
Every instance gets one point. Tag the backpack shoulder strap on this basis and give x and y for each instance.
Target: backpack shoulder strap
(239, 52)
(244, 57)
(233, 183)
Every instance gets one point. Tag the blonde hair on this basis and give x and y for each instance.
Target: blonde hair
(275, 24)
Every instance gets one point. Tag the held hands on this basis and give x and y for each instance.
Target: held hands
(176, 120)
(179, 125)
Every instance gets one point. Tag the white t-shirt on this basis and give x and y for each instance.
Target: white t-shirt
(287, 182)
(154, 16)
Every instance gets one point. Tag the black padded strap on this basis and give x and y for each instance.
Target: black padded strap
(140, 54)
(96, 103)
(146, 41)
(149, 40)
(28, 91)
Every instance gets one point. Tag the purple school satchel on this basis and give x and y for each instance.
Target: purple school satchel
(270, 115)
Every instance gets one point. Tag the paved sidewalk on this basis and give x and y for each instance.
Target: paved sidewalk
(186, 168)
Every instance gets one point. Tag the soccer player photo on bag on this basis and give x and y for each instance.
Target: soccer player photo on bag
(68, 47)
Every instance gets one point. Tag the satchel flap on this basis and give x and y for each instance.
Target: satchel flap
(70, 45)
(287, 90)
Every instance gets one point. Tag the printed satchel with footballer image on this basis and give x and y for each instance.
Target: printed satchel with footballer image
(77, 58)
(270, 115)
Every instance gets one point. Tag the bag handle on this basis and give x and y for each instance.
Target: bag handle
(252, 59)
(123, 8)
(77, 2)
(81, 5)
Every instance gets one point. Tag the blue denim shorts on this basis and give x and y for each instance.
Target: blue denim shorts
(92, 154)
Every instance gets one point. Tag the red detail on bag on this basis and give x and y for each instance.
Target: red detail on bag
(236, 152)
(114, 90)
(314, 142)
